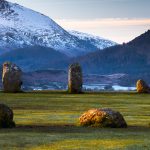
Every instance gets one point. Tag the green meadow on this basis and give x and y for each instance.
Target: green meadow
(49, 121)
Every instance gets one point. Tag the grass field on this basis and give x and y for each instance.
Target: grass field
(48, 121)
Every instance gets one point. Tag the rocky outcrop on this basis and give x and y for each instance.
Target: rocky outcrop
(102, 118)
(75, 79)
(11, 77)
(5, 8)
(6, 117)
(142, 87)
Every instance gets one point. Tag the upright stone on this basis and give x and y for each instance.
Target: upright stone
(75, 79)
(142, 87)
(11, 78)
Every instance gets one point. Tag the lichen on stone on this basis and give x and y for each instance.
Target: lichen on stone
(142, 87)
(105, 117)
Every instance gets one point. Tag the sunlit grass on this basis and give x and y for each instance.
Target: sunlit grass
(90, 144)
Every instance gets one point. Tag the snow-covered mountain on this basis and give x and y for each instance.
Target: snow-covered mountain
(99, 42)
(21, 27)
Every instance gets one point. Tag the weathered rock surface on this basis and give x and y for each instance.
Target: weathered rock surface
(75, 79)
(103, 118)
(11, 78)
(6, 117)
(142, 87)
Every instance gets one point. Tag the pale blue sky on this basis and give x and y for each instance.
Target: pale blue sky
(118, 20)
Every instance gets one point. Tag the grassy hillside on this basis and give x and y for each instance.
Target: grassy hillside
(48, 121)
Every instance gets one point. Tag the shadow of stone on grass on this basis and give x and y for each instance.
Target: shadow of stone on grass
(70, 128)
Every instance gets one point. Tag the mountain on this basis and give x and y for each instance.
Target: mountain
(22, 27)
(36, 58)
(99, 42)
(130, 58)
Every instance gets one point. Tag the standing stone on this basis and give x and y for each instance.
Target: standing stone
(6, 117)
(75, 79)
(142, 87)
(11, 78)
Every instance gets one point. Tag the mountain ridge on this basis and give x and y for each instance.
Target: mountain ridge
(95, 40)
(36, 58)
(131, 58)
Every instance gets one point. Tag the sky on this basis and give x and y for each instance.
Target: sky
(117, 20)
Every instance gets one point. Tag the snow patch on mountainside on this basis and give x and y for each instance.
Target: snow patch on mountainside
(99, 42)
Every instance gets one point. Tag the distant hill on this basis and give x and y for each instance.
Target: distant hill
(128, 58)
(36, 58)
